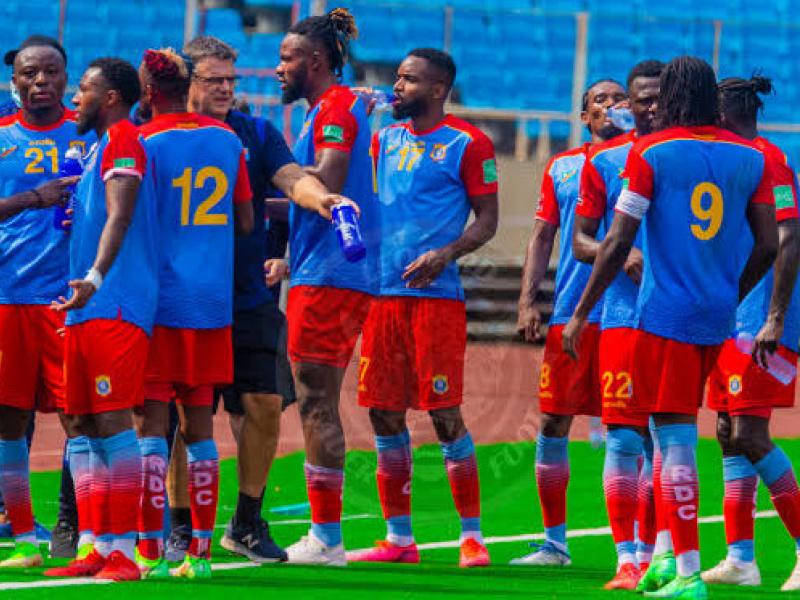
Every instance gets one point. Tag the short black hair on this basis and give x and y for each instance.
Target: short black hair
(442, 61)
(645, 68)
(333, 31)
(120, 75)
(585, 99)
(688, 94)
(35, 40)
(739, 98)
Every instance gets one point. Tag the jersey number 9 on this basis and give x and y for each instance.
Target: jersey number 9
(202, 215)
(711, 215)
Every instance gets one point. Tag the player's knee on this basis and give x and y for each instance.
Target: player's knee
(13, 422)
(555, 425)
(264, 410)
(754, 444)
(448, 423)
(724, 434)
(385, 422)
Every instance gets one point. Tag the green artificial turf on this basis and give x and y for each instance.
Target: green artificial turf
(510, 507)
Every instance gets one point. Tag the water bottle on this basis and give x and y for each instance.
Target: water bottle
(621, 118)
(777, 366)
(70, 166)
(346, 222)
(382, 99)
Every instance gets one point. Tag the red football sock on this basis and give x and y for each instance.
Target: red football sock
(324, 488)
(203, 493)
(738, 507)
(151, 516)
(394, 477)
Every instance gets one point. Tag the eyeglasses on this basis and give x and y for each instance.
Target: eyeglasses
(218, 81)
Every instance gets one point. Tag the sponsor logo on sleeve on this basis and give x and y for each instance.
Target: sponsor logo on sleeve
(784, 196)
(333, 134)
(489, 171)
(124, 163)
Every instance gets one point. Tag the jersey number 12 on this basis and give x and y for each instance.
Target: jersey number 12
(202, 215)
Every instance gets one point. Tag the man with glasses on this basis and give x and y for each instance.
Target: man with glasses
(262, 377)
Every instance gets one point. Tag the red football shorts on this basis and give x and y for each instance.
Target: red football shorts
(324, 323)
(185, 395)
(616, 379)
(567, 386)
(412, 354)
(740, 387)
(31, 357)
(104, 366)
(669, 375)
(191, 357)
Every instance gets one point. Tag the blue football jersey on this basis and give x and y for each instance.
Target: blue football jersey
(424, 181)
(130, 288)
(34, 255)
(337, 121)
(696, 184)
(601, 184)
(197, 169)
(557, 202)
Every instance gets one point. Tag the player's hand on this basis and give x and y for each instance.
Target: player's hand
(529, 323)
(634, 265)
(422, 271)
(67, 223)
(571, 335)
(766, 341)
(366, 91)
(82, 291)
(56, 191)
(275, 270)
(328, 201)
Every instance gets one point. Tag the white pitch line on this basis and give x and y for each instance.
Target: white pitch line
(308, 521)
(505, 539)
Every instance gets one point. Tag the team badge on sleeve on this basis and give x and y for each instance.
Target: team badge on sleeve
(784, 196)
(734, 385)
(489, 171)
(440, 384)
(333, 133)
(103, 385)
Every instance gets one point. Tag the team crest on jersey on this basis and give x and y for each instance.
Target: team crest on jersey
(102, 384)
(80, 145)
(439, 152)
(566, 176)
(440, 384)
(734, 384)
(7, 151)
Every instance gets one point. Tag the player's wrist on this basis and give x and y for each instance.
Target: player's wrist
(38, 199)
(95, 277)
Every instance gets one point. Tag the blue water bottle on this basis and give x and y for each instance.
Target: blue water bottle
(346, 222)
(621, 118)
(382, 99)
(70, 166)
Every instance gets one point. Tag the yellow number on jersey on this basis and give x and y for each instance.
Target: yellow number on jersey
(37, 155)
(415, 151)
(202, 215)
(712, 215)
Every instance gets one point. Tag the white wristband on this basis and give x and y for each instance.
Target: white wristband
(94, 277)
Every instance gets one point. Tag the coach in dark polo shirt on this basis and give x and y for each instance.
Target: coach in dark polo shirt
(262, 379)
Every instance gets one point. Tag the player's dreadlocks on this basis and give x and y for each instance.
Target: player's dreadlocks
(168, 71)
(333, 31)
(739, 98)
(688, 95)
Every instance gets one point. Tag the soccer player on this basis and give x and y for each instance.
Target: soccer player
(198, 173)
(114, 283)
(329, 297)
(740, 390)
(431, 173)
(700, 187)
(33, 266)
(262, 381)
(627, 429)
(565, 389)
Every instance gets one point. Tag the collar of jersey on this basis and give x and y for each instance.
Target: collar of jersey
(64, 116)
(445, 120)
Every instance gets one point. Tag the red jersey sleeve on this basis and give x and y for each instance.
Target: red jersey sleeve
(335, 126)
(765, 192)
(592, 197)
(479, 167)
(242, 192)
(124, 154)
(784, 187)
(547, 209)
(639, 175)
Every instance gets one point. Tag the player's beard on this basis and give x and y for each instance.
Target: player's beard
(609, 131)
(88, 120)
(294, 91)
(409, 109)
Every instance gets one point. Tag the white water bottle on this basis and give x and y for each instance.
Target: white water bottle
(621, 118)
(777, 366)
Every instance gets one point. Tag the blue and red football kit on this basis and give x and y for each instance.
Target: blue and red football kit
(425, 182)
(567, 387)
(197, 171)
(329, 297)
(34, 267)
(107, 340)
(737, 385)
(601, 185)
(694, 185)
